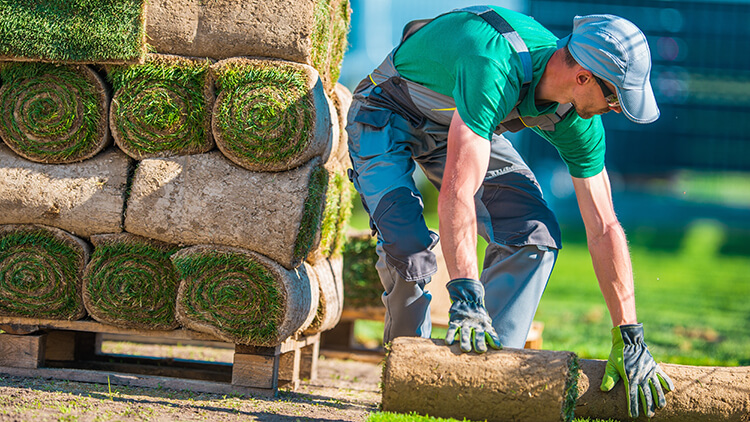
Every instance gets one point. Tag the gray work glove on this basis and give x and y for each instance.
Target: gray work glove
(469, 318)
(631, 361)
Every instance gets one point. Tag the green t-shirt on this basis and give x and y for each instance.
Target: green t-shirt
(462, 56)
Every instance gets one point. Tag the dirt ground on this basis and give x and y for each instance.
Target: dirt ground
(345, 390)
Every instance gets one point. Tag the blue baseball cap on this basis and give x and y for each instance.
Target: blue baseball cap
(614, 49)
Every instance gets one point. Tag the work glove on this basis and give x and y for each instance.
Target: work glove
(631, 361)
(469, 318)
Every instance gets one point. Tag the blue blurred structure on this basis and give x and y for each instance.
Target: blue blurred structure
(701, 78)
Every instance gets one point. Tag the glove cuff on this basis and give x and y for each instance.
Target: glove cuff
(466, 290)
(630, 334)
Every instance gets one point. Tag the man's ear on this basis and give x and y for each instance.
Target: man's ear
(583, 76)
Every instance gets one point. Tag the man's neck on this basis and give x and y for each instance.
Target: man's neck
(552, 85)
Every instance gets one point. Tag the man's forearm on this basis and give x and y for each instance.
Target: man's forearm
(458, 235)
(613, 268)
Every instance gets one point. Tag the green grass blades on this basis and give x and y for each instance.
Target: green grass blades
(312, 214)
(232, 292)
(81, 31)
(53, 114)
(131, 282)
(264, 117)
(40, 272)
(361, 281)
(163, 107)
(340, 26)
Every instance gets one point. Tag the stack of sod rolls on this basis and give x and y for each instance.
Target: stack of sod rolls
(200, 185)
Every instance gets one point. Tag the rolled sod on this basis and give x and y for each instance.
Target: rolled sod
(163, 107)
(270, 115)
(362, 285)
(294, 30)
(332, 213)
(206, 199)
(331, 296)
(40, 272)
(342, 100)
(240, 296)
(702, 393)
(84, 199)
(130, 282)
(427, 377)
(73, 31)
(53, 114)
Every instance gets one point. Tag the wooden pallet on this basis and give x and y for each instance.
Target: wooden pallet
(71, 350)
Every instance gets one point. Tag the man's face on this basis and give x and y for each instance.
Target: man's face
(591, 100)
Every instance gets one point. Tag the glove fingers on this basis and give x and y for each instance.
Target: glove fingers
(657, 392)
(493, 339)
(647, 399)
(466, 339)
(480, 346)
(664, 380)
(450, 336)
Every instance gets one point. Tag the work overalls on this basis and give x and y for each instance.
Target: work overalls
(394, 123)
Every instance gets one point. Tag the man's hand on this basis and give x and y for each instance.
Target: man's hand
(631, 361)
(469, 318)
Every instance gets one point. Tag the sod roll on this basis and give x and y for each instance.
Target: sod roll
(130, 282)
(84, 199)
(206, 199)
(73, 31)
(331, 296)
(362, 285)
(330, 219)
(40, 272)
(163, 107)
(240, 296)
(427, 377)
(270, 115)
(312, 32)
(53, 114)
(342, 100)
(702, 394)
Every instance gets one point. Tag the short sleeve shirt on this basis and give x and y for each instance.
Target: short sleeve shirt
(460, 55)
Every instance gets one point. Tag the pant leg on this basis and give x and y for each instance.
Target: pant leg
(382, 172)
(514, 279)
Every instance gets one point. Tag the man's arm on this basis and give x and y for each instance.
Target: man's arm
(466, 164)
(629, 359)
(607, 246)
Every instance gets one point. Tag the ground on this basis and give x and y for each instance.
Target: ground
(345, 390)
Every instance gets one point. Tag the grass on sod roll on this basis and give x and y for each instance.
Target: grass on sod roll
(340, 25)
(40, 275)
(361, 281)
(345, 214)
(331, 213)
(312, 213)
(83, 31)
(132, 283)
(232, 292)
(321, 35)
(162, 107)
(51, 113)
(266, 114)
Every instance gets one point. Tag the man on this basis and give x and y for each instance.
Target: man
(441, 100)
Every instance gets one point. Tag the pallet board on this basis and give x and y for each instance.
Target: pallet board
(71, 350)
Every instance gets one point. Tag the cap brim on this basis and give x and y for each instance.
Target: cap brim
(639, 105)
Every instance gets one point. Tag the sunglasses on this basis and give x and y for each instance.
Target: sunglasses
(609, 96)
